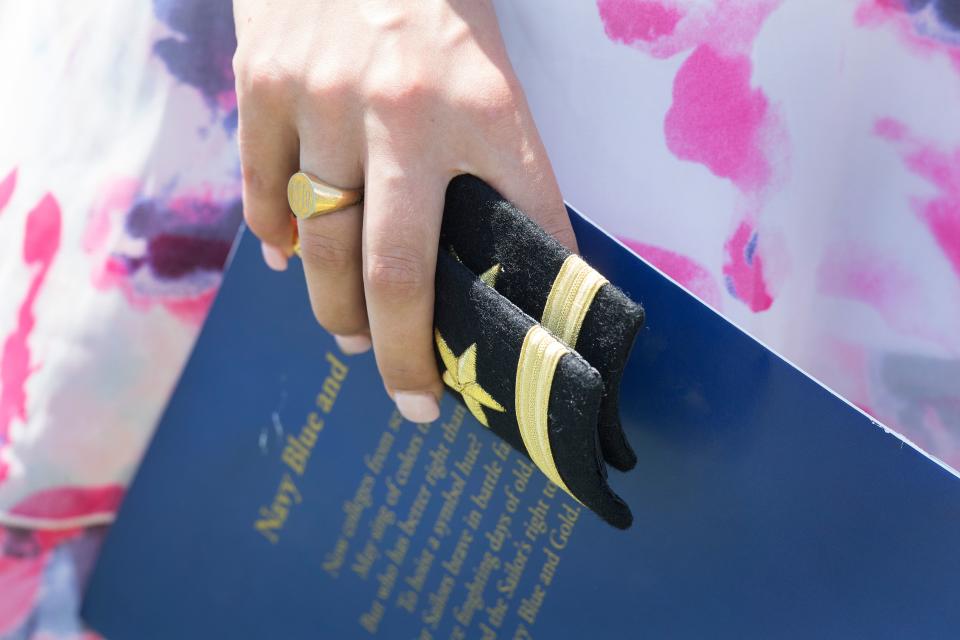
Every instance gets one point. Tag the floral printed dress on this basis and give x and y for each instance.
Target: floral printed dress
(794, 163)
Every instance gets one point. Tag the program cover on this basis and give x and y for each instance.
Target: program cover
(284, 497)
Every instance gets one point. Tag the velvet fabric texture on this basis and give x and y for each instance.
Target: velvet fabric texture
(484, 229)
(472, 317)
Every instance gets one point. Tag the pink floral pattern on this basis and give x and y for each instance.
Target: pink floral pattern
(685, 271)
(41, 241)
(109, 259)
(863, 289)
(941, 169)
(717, 118)
(781, 160)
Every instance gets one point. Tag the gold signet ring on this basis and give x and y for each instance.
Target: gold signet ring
(310, 197)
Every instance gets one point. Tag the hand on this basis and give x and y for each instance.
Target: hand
(399, 97)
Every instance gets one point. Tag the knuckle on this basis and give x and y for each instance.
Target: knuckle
(497, 103)
(325, 86)
(260, 76)
(402, 91)
(396, 271)
(326, 252)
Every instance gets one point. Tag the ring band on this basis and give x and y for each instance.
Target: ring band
(310, 197)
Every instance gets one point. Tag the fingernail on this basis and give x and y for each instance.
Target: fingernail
(352, 345)
(275, 258)
(417, 407)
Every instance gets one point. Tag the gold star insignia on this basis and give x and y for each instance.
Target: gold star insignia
(489, 277)
(461, 376)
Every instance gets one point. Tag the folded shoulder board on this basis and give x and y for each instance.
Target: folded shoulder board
(523, 384)
(540, 276)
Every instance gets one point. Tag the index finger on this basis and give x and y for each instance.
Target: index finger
(514, 161)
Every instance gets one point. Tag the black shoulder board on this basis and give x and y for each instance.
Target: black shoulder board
(549, 283)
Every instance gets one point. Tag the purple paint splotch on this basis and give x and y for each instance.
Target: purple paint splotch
(43, 575)
(166, 250)
(947, 12)
(184, 234)
(925, 27)
(201, 56)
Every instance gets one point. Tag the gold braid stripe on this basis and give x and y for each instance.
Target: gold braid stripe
(539, 357)
(570, 298)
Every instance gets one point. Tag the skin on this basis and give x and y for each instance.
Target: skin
(399, 97)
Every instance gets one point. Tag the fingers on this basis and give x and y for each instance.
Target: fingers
(330, 247)
(515, 163)
(402, 211)
(268, 156)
